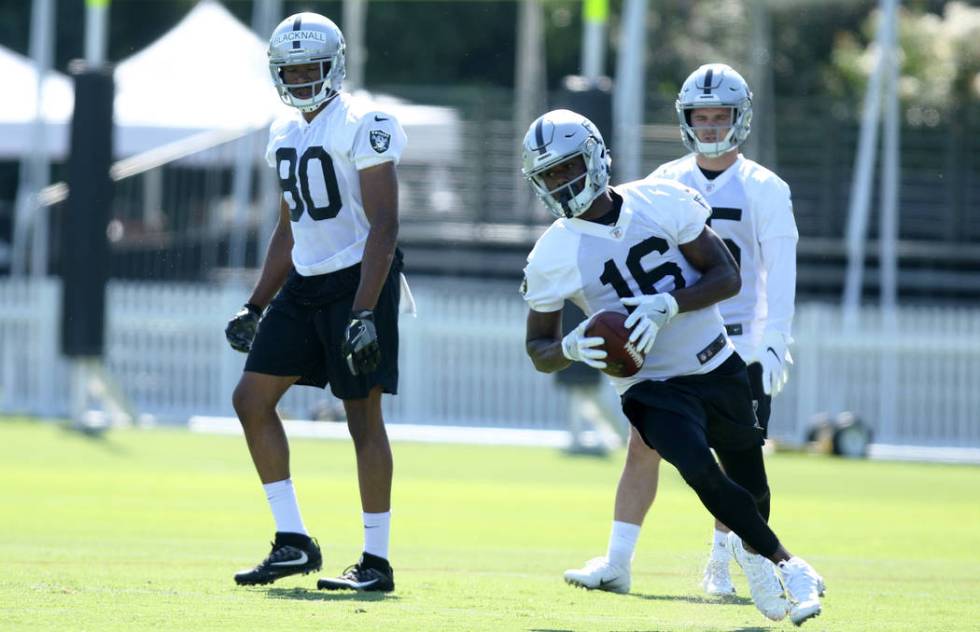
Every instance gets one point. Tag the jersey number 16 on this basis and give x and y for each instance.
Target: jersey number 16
(646, 279)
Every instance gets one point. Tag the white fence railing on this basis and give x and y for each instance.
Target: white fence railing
(463, 363)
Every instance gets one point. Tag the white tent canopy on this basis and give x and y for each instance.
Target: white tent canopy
(209, 72)
(17, 108)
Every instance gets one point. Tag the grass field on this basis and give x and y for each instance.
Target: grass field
(143, 530)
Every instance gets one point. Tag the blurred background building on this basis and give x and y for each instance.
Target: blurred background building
(194, 201)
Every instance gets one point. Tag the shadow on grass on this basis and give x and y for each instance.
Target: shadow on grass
(95, 435)
(753, 629)
(305, 594)
(718, 601)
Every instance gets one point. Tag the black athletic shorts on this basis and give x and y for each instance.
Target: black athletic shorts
(763, 402)
(682, 417)
(303, 330)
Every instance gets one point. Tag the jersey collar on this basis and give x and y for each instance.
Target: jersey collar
(615, 232)
(706, 186)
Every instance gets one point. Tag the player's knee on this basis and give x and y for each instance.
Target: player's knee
(366, 428)
(763, 503)
(640, 456)
(704, 478)
(248, 403)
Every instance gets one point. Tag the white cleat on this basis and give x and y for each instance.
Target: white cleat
(600, 574)
(717, 582)
(766, 590)
(803, 585)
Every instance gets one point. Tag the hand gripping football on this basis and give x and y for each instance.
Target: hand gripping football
(623, 359)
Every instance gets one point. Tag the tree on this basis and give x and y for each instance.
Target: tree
(940, 61)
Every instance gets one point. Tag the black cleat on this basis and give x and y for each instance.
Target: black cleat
(370, 574)
(292, 553)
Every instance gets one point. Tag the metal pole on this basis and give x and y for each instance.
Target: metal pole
(595, 17)
(761, 146)
(627, 149)
(241, 193)
(890, 171)
(529, 98)
(889, 221)
(355, 13)
(96, 32)
(35, 163)
(266, 14)
(857, 224)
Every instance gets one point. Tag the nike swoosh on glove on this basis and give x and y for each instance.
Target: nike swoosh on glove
(775, 358)
(650, 313)
(577, 347)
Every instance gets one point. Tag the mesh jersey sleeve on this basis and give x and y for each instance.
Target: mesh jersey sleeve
(775, 211)
(380, 138)
(779, 259)
(549, 279)
(693, 213)
(276, 131)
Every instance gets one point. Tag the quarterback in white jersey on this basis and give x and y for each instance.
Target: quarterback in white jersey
(752, 212)
(644, 248)
(325, 308)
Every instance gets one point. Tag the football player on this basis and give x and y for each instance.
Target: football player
(645, 248)
(324, 310)
(752, 212)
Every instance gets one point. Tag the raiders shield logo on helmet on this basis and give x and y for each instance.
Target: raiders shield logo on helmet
(380, 140)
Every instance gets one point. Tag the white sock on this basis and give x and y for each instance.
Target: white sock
(377, 530)
(282, 501)
(622, 543)
(719, 546)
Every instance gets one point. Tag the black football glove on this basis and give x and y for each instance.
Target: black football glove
(361, 343)
(242, 326)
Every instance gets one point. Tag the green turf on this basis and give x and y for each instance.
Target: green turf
(143, 530)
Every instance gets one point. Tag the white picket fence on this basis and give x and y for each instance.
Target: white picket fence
(463, 362)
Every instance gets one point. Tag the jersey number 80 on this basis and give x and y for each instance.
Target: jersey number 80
(299, 187)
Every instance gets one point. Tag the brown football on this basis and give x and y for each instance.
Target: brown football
(623, 359)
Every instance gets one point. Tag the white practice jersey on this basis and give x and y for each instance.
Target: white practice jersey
(750, 204)
(595, 265)
(317, 164)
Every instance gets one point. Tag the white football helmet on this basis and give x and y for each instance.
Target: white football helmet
(552, 139)
(715, 86)
(307, 38)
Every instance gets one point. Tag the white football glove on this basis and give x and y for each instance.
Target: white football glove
(774, 356)
(651, 314)
(575, 346)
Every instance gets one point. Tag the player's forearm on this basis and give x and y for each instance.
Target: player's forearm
(275, 269)
(379, 250)
(779, 257)
(546, 355)
(715, 285)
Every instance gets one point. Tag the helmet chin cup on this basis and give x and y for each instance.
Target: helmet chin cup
(711, 149)
(569, 199)
(320, 93)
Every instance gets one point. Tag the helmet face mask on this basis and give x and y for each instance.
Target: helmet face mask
(714, 86)
(305, 39)
(564, 188)
(567, 142)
